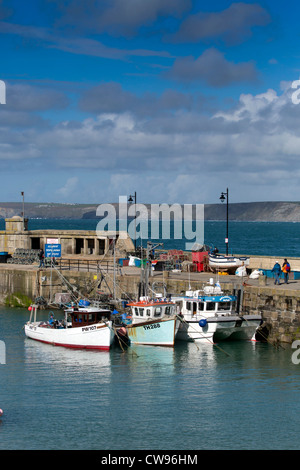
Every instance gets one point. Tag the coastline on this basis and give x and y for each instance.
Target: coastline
(269, 211)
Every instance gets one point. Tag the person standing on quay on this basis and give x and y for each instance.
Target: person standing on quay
(41, 258)
(286, 269)
(276, 270)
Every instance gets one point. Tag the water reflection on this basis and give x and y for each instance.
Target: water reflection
(195, 396)
(64, 360)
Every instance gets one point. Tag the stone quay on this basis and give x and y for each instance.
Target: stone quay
(87, 264)
(279, 305)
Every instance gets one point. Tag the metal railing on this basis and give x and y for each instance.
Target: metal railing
(94, 266)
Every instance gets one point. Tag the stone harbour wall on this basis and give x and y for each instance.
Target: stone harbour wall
(280, 310)
(21, 286)
(279, 306)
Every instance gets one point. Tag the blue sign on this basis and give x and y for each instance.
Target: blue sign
(53, 250)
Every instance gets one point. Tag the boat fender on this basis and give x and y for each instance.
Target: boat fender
(202, 322)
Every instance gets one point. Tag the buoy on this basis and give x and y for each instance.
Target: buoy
(202, 322)
(1, 412)
(30, 308)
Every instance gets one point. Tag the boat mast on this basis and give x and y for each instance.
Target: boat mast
(114, 287)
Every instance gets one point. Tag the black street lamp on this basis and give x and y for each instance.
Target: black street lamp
(23, 212)
(222, 199)
(130, 200)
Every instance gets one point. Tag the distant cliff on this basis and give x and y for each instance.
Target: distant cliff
(47, 210)
(255, 211)
(246, 211)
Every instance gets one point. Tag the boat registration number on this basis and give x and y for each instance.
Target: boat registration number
(150, 327)
(89, 328)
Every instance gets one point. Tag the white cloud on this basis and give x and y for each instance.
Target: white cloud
(69, 188)
(249, 106)
(177, 156)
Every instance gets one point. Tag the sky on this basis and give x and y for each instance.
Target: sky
(176, 100)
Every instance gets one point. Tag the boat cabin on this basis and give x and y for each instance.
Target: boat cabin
(151, 310)
(86, 318)
(207, 306)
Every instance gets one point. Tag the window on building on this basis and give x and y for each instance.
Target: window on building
(35, 243)
(79, 246)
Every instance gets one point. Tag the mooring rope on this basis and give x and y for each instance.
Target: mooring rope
(208, 339)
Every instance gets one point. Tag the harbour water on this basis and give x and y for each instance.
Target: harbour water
(240, 395)
(251, 238)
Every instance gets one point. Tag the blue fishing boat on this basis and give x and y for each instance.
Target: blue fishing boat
(153, 322)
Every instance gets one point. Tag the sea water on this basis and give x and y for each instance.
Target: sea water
(238, 395)
(249, 238)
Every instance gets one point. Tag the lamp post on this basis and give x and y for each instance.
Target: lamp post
(23, 212)
(130, 199)
(222, 199)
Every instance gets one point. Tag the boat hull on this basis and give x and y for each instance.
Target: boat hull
(98, 336)
(220, 329)
(236, 327)
(227, 262)
(154, 333)
(190, 330)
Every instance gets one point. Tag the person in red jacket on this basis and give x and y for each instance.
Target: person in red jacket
(286, 268)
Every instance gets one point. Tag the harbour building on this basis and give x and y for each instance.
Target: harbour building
(73, 242)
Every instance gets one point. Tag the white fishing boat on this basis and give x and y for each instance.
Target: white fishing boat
(152, 322)
(210, 316)
(220, 262)
(82, 328)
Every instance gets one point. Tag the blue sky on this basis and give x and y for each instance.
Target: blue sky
(174, 99)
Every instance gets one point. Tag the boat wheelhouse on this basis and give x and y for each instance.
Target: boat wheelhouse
(153, 322)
